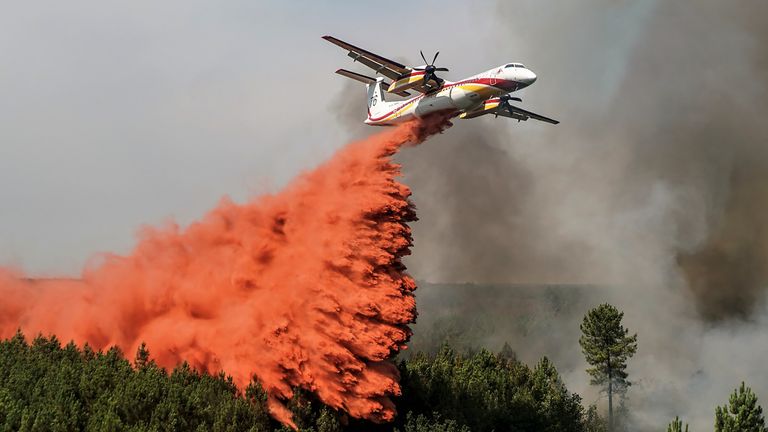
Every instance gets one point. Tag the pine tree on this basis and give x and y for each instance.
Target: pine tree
(592, 420)
(607, 346)
(328, 422)
(142, 359)
(677, 425)
(742, 414)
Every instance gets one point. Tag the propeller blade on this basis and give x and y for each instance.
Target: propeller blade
(422, 56)
(435, 58)
(442, 69)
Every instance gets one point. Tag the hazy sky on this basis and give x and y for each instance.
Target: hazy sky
(115, 114)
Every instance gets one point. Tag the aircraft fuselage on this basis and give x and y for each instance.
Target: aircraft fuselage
(460, 96)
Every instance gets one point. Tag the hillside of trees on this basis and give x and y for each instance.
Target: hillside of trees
(45, 386)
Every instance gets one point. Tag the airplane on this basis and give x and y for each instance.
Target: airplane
(485, 93)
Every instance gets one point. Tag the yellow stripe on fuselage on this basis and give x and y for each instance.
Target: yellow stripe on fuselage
(484, 90)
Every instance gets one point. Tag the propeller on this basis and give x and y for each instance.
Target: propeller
(430, 69)
(504, 103)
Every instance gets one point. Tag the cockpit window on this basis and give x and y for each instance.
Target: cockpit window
(514, 65)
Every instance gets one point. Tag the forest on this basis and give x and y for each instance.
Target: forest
(47, 386)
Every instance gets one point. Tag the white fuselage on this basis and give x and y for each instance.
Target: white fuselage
(453, 97)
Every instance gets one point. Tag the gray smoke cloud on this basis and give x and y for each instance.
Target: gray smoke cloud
(655, 185)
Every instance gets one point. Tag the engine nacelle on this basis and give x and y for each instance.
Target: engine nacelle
(486, 107)
(415, 78)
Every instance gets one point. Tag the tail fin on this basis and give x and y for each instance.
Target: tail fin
(375, 96)
(377, 105)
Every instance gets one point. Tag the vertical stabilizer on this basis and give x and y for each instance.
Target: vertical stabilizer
(376, 100)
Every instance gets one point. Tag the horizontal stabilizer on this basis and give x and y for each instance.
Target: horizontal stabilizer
(367, 80)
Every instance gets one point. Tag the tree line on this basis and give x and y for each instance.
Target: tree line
(45, 386)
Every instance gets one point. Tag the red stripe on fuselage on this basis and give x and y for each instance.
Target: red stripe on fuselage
(501, 84)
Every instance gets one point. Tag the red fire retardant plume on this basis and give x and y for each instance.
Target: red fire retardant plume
(301, 289)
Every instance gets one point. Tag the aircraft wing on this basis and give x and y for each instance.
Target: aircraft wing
(499, 107)
(389, 68)
(384, 66)
(367, 80)
(521, 114)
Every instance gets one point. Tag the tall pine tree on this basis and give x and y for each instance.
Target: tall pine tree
(742, 414)
(607, 346)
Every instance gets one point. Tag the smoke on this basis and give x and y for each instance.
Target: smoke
(681, 143)
(478, 211)
(653, 134)
(301, 289)
(705, 137)
(655, 185)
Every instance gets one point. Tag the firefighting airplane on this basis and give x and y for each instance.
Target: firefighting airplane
(485, 93)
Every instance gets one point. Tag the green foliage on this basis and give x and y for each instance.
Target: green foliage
(607, 346)
(677, 426)
(328, 421)
(44, 387)
(487, 392)
(742, 414)
(593, 422)
(310, 415)
(47, 387)
(422, 423)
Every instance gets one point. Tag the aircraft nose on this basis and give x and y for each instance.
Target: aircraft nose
(528, 77)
